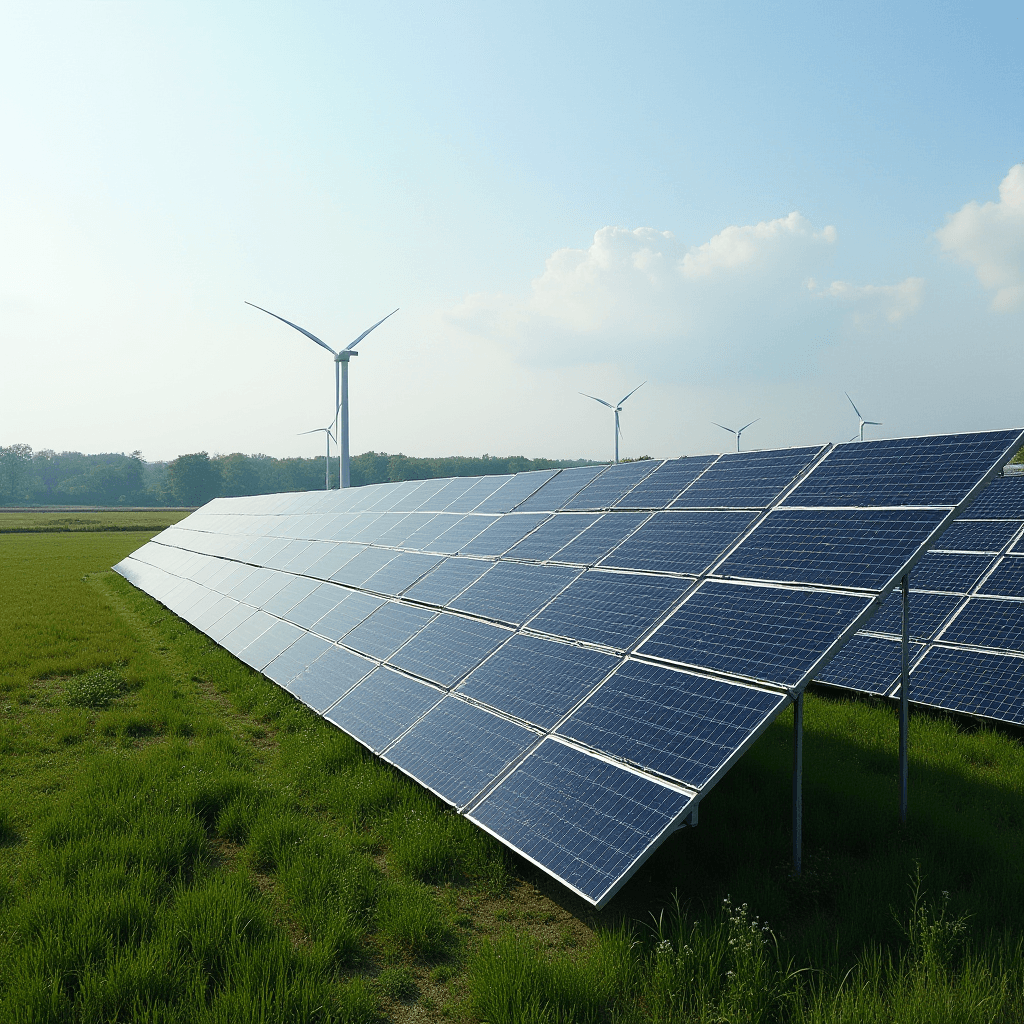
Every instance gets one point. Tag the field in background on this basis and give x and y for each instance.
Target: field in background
(181, 840)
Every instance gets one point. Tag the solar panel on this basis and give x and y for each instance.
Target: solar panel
(581, 711)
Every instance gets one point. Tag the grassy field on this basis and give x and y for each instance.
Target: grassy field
(137, 520)
(182, 841)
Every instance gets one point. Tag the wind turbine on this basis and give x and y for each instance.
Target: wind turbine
(739, 432)
(863, 422)
(327, 462)
(340, 387)
(617, 408)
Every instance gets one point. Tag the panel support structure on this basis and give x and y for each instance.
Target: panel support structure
(904, 696)
(798, 781)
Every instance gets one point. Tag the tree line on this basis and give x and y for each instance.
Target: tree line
(47, 477)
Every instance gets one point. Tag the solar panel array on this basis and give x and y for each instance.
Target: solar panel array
(966, 618)
(571, 659)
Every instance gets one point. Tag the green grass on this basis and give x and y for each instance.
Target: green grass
(88, 522)
(181, 841)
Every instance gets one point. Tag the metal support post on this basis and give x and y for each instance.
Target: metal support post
(798, 778)
(904, 697)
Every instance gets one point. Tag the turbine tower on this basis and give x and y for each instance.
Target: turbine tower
(863, 422)
(617, 408)
(340, 386)
(327, 461)
(739, 432)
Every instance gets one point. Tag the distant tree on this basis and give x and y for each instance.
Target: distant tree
(193, 479)
(639, 458)
(238, 474)
(15, 464)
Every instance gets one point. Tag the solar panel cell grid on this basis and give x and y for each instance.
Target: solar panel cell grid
(457, 749)
(682, 542)
(666, 483)
(332, 675)
(768, 633)
(972, 683)
(988, 623)
(558, 531)
(512, 592)
(601, 537)
(584, 820)
(382, 707)
(503, 534)
(746, 479)
(982, 535)
(560, 489)
(611, 486)
(449, 647)
(927, 614)
(383, 632)
(451, 577)
(674, 723)
(949, 573)
(868, 664)
(537, 680)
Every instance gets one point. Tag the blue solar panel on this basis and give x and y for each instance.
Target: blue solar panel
(677, 724)
(666, 483)
(906, 471)
(387, 629)
(988, 623)
(612, 609)
(864, 549)
(747, 479)
(502, 534)
(481, 490)
(767, 633)
(293, 661)
(516, 490)
(554, 534)
(868, 664)
(356, 572)
(601, 537)
(948, 572)
(347, 614)
(400, 573)
(246, 631)
(403, 526)
(268, 645)
(298, 588)
(1007, 580)
(451, 577)
(513, 591)
(449, 647)
(971, 682)
(583, 820)
(559, 490)
(332, 560)
(611, 486)
(458, 536)
(458, 749)
(382, 707)
(1002, 499)
(685, 542)
(537, 680)
(983, 535)
(333, 674)
(313, 608)
(927, 613)
(431, 530)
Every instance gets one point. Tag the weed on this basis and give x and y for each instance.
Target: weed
(409, 916)
(397, 983)
(97, 689)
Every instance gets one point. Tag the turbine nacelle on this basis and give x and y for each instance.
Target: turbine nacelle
(616, 409)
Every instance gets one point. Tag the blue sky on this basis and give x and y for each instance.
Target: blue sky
(751, 207)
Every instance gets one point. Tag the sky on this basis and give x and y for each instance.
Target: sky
(748, 208)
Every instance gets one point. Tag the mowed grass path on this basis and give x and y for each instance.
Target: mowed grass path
(182, 841)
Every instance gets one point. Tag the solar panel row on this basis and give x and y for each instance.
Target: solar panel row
(966, 618)
(571, 659)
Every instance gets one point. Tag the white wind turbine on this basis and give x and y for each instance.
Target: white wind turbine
(340, 387)
(327, 461)
(863, 422)
(738, 433)
(617, 408)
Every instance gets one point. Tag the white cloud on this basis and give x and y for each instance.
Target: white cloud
(737, 305)
(869, 301)
(990, 237)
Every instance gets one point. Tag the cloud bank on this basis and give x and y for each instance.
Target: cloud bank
(990, 238)
(745, 302)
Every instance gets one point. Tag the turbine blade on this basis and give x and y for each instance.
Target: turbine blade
(633, 392)
(315, 430)
(750, 424)
(731, 431)
(872, 423)
(855, 409)
(348, 348)
(601, 400)
(301, 330)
